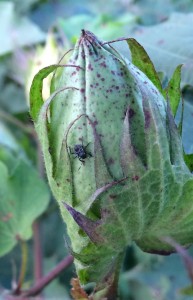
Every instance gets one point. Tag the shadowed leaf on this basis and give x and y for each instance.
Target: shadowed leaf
(24, 196)
(189, 161)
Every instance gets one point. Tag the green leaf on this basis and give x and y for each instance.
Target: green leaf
(6, 137)
(141, 60)
(155, 272)
(11, 91)
(24, 196)
(173, 91)
(187, 291)
(36, 100)
(16, 32)
(25, 7)
(168, 44)
(189, 161)
(187, 136)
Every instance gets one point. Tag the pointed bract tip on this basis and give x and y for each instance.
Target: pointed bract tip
(83, 32)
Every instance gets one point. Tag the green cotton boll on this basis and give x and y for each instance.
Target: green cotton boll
(113, 157)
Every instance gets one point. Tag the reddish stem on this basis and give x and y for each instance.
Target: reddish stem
(43, 282)
(37, 252)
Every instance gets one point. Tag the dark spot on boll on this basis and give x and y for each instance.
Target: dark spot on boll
(135, 178)
(131, 113)
(95, 123)
(154, 91)
(112, 196)
(103, 64)
(113, 72)
(145, 82)
(102, 79)
(160, 42)
(98, 75)
(82, 90)
(117, 87)
(83, 55)
(90, 67)
(50, 150)
(111, 161)
(147, 118)
(105, 212)
(97, 59)
(73, 73)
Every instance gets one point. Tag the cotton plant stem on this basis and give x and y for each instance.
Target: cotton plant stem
(24, 256)
(44, 281)
(38, 272)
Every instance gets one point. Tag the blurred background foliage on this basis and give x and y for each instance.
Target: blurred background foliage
(37, 33)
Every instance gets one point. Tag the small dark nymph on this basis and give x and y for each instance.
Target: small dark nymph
(80, 152)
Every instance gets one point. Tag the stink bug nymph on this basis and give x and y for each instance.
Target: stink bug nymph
(80, 152)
